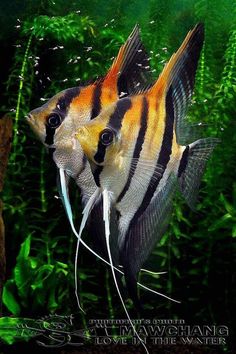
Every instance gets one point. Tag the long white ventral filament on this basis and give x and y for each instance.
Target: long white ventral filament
(67, 206)
(106, 218)
(86, 212)
(69, 214)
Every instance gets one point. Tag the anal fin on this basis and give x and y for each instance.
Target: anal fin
(142, 236)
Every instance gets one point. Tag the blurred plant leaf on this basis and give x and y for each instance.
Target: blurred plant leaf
(9, 299)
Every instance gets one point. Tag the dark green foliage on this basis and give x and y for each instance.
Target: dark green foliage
(197, 250)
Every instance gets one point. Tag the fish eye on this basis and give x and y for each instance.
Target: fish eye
(106, 137)
(54, 120)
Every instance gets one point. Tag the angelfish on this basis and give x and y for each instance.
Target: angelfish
(55, 122)
(138, 158)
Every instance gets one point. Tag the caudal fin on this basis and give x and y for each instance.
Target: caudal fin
(192, 166)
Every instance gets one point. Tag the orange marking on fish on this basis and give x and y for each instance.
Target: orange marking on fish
(164, 80)
(131, 122)
(109, 95)
(85, 96)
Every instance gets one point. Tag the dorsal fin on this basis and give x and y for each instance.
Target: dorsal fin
(130, 69)
(179, 74)
(188, 53)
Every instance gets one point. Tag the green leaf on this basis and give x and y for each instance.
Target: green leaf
(164, 239)
(62, 265)
(197, 260)
(229, 208)
(9, 299)
(25, 248)
(23, 270)
(41, 276)
(175, 251)
(234, 231)
(52, 304)
(90, 296)
(8, 329)
(222, 222)
(15, 329)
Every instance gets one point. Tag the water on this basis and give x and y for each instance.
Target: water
(52, 45)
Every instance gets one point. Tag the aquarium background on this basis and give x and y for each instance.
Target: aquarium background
(47, 46)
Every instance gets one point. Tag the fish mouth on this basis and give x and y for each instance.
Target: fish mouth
(33, 122)
(29, 117)
(35, 127)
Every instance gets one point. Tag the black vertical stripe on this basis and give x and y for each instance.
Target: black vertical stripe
(51, 151)
(100, 154)
(162, 160)
(62, 106)
(183, 161)
(115, 122)
(96, 174)
(122, 107)
(50, 132)
(96, 100)
(65, 100)
(138, 147)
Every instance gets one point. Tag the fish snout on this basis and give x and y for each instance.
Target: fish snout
(29, 117)
(33, 115)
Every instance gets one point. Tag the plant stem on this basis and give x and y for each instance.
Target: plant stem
(19, 97)
(109, 299)
(42, 182)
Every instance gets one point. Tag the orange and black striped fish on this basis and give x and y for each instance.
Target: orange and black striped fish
(55, 121)
(136, 151)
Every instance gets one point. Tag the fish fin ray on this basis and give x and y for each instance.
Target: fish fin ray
(106, 218)
(63, 190)
(179, 74)
(70, 218)
(142, 236)
(132, 58)
(63, 185)
(189, 180)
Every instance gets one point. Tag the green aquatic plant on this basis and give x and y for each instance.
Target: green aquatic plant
(227, 89)
(60, 28)
(19, 99)
(36, 279)
(11, 330)
(45, 258)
